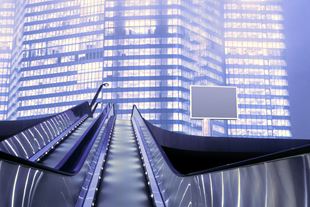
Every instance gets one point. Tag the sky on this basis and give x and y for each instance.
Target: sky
(297, 30)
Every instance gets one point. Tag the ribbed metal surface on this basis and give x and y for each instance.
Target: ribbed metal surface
(123, 181)
(60, 151)
(28, 186)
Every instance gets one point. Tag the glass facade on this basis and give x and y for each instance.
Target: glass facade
(154, 51)
(150, 52)
(6, 35)
(254, 46)
(58, 55)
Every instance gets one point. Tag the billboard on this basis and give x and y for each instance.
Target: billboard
(213, 102)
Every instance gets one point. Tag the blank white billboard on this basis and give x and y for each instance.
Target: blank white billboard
(213, 102)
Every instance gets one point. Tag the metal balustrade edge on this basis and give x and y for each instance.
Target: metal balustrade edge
(51, 144)
(156, 194)
(63, 164)
(94, 177)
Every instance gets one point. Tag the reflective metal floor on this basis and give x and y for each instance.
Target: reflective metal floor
(123, 182)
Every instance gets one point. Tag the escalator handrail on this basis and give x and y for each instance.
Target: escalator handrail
(80, 109)
(86, 136)
(94, 100)
(29, 164)
(157, 194)
(296, 151)
(65, 133)
(157, 144)
(92, 178)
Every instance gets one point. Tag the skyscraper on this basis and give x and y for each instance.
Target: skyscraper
(6, 35)
(254, 46)
(58, 50)
(154, 51)
(150, 52)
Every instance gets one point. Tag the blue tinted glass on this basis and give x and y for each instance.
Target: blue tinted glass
(55, 54)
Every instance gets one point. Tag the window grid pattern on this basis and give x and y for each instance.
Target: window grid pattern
(153, 53)
(58, 62)
(6, 35)
(254, 46)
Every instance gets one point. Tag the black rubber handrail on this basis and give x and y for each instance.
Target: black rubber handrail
(257, 160)
(95, 107)
(156, 142)
(97, 94)
(77, 154)
(11, 128)
(35, 165)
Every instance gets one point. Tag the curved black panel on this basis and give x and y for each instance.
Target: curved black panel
(221, 144)
(190, 154)
(10, 128)
(277, 179)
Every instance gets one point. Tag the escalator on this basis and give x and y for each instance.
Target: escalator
(53, 158)
(124, 181)
(106, 161)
